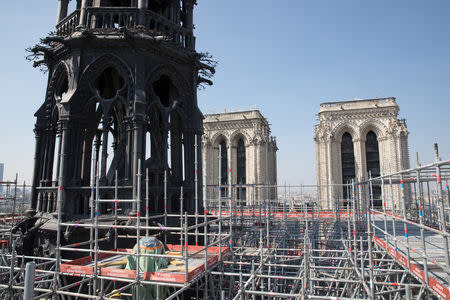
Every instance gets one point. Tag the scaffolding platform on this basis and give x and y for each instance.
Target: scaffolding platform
(435, 251)
(171, 274)
(327, 214)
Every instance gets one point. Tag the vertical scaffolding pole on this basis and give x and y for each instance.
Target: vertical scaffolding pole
(181, 218)
(443, 218)
(405, 224)
(59, 206)
(147, 201)
(421, 210)
(96, 248)
(369, 240)
(29, 281)
(220, 201)
(14, 203)
(391, 194)
(138, 233)
(383, 199)
(165, 204)
(116, 197)
(196, 188)
(354, 218)
(230, 195)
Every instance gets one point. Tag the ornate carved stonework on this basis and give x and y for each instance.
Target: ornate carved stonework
(122, 93)
(260, 150)
(358, 118)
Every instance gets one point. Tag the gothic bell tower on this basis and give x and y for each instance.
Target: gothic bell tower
(122, 91)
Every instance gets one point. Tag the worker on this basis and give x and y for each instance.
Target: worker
(148, 245)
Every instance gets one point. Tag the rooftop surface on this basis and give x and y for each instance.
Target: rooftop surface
(234, 116)
(357, 104)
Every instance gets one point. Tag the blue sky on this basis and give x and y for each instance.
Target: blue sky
(285, 58)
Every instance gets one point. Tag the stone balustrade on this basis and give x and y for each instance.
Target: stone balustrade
(47, 199)
(113, 18)
(68, 24)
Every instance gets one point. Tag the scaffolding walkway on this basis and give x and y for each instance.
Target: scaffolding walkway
(401, 247)
(264, 249)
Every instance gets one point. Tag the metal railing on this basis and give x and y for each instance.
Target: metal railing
(415, 231)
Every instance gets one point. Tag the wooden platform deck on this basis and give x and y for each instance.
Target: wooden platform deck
(170, 274)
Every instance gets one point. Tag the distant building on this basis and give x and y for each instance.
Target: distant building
(248, 151)
(355, 138)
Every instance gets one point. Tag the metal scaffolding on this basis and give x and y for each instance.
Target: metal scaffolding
(241, 248)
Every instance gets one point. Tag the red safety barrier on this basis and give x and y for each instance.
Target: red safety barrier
(439, 288)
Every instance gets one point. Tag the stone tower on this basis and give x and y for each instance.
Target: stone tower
(248, 153)
(354, 139)
(122, 91)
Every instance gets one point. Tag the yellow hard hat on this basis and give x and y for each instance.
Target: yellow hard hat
(116, 294)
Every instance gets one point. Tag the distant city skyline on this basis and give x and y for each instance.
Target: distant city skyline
(285, 59)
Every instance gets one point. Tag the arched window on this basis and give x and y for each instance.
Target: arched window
(373, 164)
(241, 167)
(348, 163)
(224, 166)
(241, 162)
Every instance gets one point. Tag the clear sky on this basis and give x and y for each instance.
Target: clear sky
(286, 57)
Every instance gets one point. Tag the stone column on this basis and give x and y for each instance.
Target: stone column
(188, 23)
(36, 170)
(318, 168)
(188, 10)
(256, 168)
(77, 154)
(129, 140)
(329, 172)
(199, 171)
(260, 169)
(234, 164)
(62, 179)
(57, 156)
(62, 10)
(254, 180)
(395, 154)
(103, 164)
(189, 140)
(275, 170)
(358, 147)
(83, 13)
(142, 6)
(49, 148)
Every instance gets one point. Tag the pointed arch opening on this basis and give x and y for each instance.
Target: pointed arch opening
(241, 166)
(348, 165)
(373, 165)
(109, 83)
(165, 90)
(223, 167)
